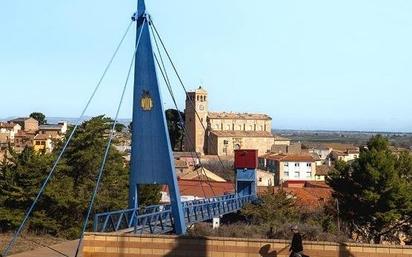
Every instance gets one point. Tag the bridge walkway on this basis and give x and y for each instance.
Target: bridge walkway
(158, 219)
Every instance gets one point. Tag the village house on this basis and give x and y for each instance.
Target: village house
(53, 130)
(289, 167)
(8, 132)
(264, 178)
(27, 124)
(322, 151)
(23, 139)
(43, 142)
(346, 156)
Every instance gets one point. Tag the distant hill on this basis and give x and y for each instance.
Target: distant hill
(70, 120)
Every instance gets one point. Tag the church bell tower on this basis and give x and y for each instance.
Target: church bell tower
(195, 139)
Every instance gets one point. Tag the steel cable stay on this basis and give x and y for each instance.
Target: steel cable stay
(182, 85)
(170, 89)
(180, 118)
(56, 162)
(109, 143)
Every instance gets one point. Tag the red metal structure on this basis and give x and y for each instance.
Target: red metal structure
(246, 159)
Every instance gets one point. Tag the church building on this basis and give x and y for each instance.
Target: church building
(220, 133)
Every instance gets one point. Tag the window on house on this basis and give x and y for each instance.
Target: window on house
(297, 164)
(37, 142)
(286, 173)
(309, 164)
(286, 164)
(260, 179)
(308, 174)
(297, 174)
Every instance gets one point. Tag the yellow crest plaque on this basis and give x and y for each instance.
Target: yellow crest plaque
(146, 101)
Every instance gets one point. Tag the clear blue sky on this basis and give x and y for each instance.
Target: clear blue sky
(309, 64)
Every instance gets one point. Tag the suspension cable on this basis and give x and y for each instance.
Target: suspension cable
(183, 86)
(169, 87)
(109, 143)
(46, 181)
(180, 118)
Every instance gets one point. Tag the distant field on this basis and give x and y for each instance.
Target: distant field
(346, 137)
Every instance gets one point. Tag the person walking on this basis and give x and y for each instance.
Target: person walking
(296, 247)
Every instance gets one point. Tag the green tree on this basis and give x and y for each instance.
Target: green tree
(176, 128)
(149, 195)
(374, 191)
(20, 177)
(40, 117)
(272, 210)
(63, 205)
(119, 127)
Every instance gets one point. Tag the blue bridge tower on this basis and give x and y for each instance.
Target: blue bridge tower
(152, 159)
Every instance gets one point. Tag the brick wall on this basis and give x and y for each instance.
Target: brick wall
(126, 245)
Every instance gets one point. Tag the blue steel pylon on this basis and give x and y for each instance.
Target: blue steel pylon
(152, 159)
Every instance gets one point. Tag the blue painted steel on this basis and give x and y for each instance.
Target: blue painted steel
(151, 155)
(159, 219)
(246, 182)
(245, 175)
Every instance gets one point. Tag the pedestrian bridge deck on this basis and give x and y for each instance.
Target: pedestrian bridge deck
(158, 219)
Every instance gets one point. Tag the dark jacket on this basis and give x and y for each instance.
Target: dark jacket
(296, 243)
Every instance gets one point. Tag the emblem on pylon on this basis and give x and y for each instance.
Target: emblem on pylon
(146, 101)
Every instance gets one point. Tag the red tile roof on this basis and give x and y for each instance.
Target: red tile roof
(323, 170)
(202, 188)
(42, 137)
(309, 197)
(290, 157)
(7, 125)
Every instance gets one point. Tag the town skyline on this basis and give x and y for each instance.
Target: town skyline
(350, 73)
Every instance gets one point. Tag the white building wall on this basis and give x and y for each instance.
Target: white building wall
(297, 170)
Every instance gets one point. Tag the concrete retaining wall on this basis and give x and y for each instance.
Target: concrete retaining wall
(126, 245)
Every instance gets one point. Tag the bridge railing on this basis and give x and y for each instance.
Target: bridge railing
(157, 219)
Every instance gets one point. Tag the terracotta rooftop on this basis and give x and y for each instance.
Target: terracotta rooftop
(7, 125)
(240, 133)
(323, 170)
(290, 157)
(202, 188)
(237, 115)
(309, 197)
(22, 133)
(42, 137)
